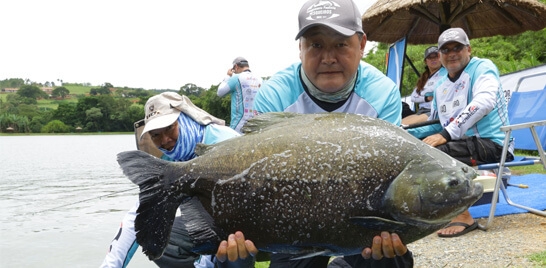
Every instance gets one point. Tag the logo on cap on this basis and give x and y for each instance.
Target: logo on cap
(151, 112)
(451, 35)
(322, 10)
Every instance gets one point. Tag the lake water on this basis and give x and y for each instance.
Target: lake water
(62, 199)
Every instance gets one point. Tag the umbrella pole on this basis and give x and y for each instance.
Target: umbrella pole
(412, 66)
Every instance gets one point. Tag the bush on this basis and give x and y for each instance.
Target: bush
(56, 126)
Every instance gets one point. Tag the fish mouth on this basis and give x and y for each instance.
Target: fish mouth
(477, 191)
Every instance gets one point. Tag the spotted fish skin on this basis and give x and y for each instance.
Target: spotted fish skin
(302, 184)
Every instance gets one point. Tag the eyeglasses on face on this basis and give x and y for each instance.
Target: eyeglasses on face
(455, 49)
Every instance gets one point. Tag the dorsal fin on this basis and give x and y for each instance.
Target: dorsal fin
(201, 149)
(262, 121)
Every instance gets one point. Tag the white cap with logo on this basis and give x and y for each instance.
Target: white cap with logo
(164, 109)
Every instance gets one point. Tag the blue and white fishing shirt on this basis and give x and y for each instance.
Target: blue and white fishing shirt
(374, 95)
(473, 105)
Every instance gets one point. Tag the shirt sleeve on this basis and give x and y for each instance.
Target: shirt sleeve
(392, 110)
(415, 97)
(225, 87)
(483, 101)
(124, 245)
(425, 131)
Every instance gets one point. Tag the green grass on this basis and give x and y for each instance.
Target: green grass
(75, 90)
(538, 258)
(263, 264)
(531, 169)
(4, 96)
(78, 89)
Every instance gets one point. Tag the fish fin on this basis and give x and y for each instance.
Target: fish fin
(157, 208)
(258, 123)
(200, 226)
(325, 252)
(201, 149)
(377, 223)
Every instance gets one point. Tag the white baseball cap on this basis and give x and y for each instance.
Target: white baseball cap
(164, 109)
(159, 111)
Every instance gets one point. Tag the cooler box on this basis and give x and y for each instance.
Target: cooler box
(488, 183)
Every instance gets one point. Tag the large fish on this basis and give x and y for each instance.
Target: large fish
(315, 184)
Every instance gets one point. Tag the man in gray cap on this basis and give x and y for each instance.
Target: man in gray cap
(471, 106)
(243, 86)
(333, 78)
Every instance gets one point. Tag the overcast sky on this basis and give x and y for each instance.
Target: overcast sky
(150, 44)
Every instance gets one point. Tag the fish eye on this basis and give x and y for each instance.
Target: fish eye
(453, 183)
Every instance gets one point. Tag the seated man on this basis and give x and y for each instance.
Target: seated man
(471, 106)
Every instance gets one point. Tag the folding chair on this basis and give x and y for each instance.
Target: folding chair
(526, 110)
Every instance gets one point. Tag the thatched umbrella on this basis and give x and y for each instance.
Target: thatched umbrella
(422, 21)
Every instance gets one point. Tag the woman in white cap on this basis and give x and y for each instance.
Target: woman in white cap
(176, 126)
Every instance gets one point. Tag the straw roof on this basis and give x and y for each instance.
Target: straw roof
(423, 20)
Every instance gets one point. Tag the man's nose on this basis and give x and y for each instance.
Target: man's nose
(329, 56)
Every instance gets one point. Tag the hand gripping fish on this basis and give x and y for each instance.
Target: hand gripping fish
(312, 184)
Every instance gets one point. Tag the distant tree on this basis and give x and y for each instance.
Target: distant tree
(31, 92)
(210, 102)
(56, 126)
(60, 92)
(93, 116)
(124, 119)
(28, 110)
(12, 83)
(36, 124)
(100, 91)
(67, 112)
(190, 90)
(20, 124)
(14, 100)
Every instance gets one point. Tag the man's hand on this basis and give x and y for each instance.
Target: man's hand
(230, 72)
(235, 248)
(387, 245)
(435, 140)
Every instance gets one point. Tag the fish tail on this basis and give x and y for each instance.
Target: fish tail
(158, 204)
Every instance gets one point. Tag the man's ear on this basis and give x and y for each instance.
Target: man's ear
(363, 44)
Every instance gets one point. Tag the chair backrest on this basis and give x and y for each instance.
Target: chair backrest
(525, 107)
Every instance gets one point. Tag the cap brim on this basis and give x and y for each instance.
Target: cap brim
(159, 122)
(341, 30)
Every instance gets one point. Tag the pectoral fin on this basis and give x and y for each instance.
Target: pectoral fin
(377, 223)
(312, 254)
